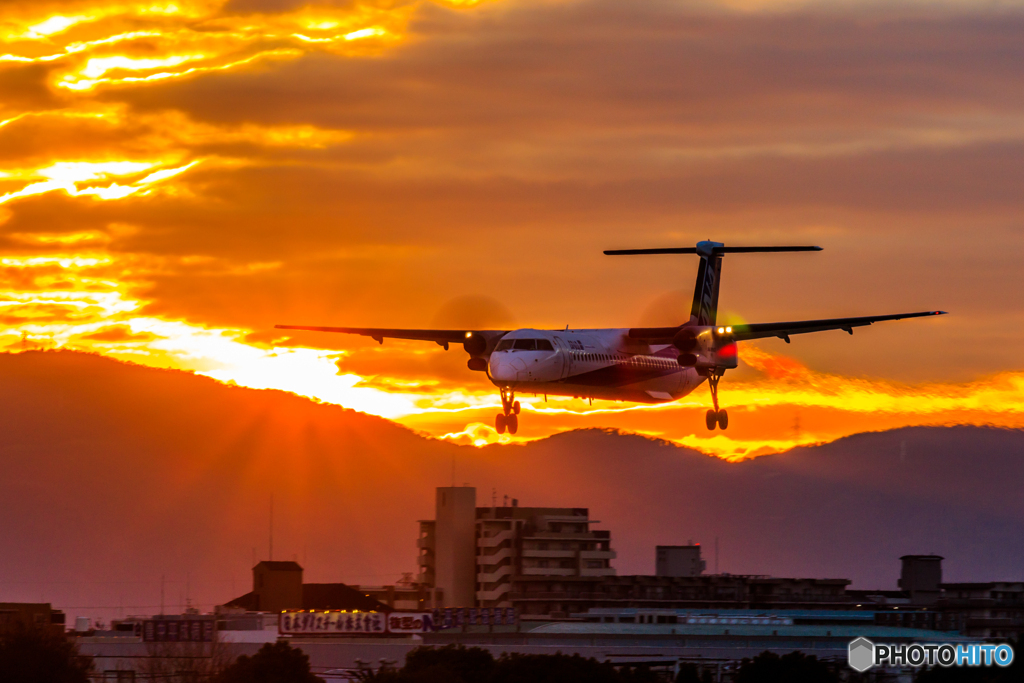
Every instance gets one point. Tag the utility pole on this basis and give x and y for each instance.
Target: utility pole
(271, 527)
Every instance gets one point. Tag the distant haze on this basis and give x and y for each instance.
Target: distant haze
(112, 475)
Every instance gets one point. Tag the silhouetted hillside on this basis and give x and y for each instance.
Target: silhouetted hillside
(112, 475)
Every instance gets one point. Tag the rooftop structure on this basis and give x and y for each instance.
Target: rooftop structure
(678, 560)
(278, 586)
(920, 577)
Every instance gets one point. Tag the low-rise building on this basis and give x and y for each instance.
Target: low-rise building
(31, 615)
(403, 596)
(986, 610)
(717, 591)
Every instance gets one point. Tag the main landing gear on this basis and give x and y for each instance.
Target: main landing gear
(509, 417)
(716, 416)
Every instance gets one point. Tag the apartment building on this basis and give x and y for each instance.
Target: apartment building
(488, 556)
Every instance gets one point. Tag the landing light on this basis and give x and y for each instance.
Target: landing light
(728, 329)
(468, 335)
(721, 330)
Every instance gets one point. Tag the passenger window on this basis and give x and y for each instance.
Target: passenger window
(504, 345)
(525, 345)
(544, 345)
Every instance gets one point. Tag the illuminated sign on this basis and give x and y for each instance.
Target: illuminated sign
(411, 622)
(337, 622)
(332, 622)
(177, 631)
(455, 617)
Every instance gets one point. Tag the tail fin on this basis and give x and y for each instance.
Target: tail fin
(709, 274)
(705, 293)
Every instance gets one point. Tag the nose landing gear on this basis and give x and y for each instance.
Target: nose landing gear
(716, 417)
(509, 417)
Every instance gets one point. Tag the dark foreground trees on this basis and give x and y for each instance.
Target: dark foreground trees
(458, 664)
(795, 667)
(273, 663)
(30, 655)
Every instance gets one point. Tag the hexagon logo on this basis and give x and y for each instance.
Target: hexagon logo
(862, 654)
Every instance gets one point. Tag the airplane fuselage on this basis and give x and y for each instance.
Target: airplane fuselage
(599, 363)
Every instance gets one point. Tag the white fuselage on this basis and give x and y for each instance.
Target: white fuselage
(603, 364)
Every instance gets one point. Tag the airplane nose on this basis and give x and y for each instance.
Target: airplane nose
(503, 370)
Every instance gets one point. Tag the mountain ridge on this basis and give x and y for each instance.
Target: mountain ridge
(114, 474)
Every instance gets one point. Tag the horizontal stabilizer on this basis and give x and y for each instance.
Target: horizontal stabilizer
(713, 250)
(704, 310)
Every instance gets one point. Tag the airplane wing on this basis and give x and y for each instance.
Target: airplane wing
(442, 337)
(665, 335)
(783, 330)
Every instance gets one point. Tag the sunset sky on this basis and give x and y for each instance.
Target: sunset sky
(177, 176)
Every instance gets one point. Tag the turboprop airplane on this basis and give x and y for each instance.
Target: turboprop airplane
(639, 364)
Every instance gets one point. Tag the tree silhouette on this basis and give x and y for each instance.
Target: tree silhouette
(794, 667)
(32, 655)
(273, 663)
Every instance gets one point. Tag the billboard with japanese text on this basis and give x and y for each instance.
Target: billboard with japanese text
(178, 631)
(331, 622)
(456, 617)
(411, 622)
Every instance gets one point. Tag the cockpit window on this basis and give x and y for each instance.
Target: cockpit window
(524, 345)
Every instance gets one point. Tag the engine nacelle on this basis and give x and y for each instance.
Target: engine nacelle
(477, 364)
(475, 344)
(685, 340)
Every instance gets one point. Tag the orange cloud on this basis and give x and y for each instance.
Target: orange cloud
(176, 177)
(119, 334)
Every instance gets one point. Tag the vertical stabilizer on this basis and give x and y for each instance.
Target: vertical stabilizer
(705, 293)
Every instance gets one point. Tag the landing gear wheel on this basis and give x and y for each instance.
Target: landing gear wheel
(716, 417)
(515, 407)
(513, 423)
(500, 422)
